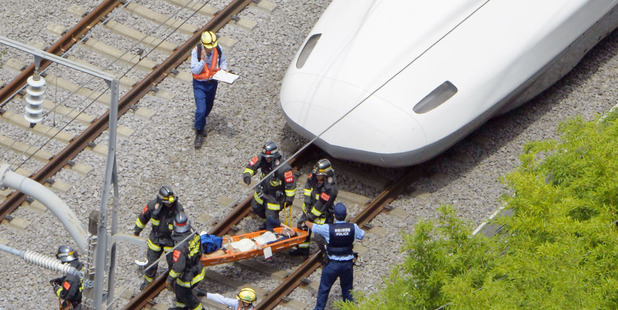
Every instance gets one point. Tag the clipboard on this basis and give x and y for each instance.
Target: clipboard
(225, 76)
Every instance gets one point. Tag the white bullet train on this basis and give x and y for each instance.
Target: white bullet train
(403, 80)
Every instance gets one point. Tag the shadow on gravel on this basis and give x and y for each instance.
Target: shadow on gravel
(218, 124)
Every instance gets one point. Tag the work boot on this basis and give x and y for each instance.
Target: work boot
(199, 138)
(262, 227)
(299, 251)
(144, 285)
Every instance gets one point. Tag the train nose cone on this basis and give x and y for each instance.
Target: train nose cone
(350, 126)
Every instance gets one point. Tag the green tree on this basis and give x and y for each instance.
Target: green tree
(558, 250)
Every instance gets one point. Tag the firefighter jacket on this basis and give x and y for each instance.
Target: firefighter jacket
(162, 219)
(187, 269)
(320, 199)
(281, 181)
(69, 288)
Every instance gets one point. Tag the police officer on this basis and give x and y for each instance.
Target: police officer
(69, 287)
(320, 194)
(340, 264)
(274, 192)
(187, 270)
(160, 212)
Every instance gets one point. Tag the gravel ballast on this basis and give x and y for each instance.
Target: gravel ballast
(246, 115)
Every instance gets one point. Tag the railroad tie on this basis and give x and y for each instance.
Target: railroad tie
(129, 32)
(161, 19)
(206, 10)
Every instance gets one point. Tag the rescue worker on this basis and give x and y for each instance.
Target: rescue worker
(206, 59)
(69, 287)
(320, 194)
(277, 190)
(160, 212)
(340, 238)
(244, 299)
(187, 270)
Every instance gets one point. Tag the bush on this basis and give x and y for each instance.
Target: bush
(558, 250)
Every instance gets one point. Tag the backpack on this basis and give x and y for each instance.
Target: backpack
(210, 243)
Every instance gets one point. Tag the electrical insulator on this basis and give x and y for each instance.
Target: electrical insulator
(35, 98)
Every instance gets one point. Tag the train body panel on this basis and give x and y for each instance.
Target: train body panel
(398, 82)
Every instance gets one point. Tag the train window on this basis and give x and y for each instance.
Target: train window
(437, 97)
(304, 54)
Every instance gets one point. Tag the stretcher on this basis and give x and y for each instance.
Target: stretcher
(253, 244)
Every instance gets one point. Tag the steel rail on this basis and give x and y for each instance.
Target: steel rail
(239, 213)
(371, 210)
(158, 73)
(244, 208)
(67, 41)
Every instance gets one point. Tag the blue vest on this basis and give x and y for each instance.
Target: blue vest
(341, 239)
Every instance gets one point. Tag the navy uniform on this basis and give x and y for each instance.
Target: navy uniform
(277, 190)
(320, 194)
(187, 270)
(340, 238)
(69, 287)
(160, 212)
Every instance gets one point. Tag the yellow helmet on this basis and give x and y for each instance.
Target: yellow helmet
(209, 39)
(247, 295)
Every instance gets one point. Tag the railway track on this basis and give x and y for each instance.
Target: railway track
(289, 280)
(207, 181)
(136, 91)
(159, 72)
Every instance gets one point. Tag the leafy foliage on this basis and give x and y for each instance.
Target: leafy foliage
(558, 250)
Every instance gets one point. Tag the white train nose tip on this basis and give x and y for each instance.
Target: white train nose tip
(346, 127)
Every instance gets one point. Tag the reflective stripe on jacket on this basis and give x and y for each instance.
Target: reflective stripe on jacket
(208, 72)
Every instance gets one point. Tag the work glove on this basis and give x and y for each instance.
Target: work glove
(247, 179)
(136, 233)
(56, 286)
(279, 196)
(301, 224)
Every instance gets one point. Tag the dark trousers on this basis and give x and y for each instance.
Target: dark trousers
(331, 271)
(185, 299)
(262, 211)
(204, 94)
(152, 256)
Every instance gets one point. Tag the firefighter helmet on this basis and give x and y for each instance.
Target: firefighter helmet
(66, 254)
(323, 167)
(271, 149)
(181, 223)
(247, 295)
(209, 39)
(166, 195)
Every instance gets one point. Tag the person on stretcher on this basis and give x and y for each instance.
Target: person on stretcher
(259, 242)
